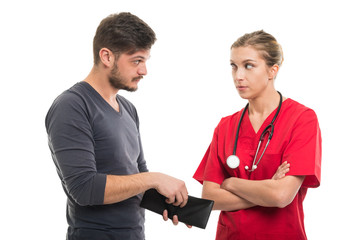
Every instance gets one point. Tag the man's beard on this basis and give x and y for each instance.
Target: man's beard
(117, 81)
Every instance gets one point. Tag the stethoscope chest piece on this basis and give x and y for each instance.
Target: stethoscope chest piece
(233, 161)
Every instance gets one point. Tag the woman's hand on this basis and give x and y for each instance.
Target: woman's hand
(281, 171)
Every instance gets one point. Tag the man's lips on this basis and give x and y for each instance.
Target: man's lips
(241, 87)
(137, 79)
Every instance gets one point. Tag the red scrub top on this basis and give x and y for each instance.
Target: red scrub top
(296, 139)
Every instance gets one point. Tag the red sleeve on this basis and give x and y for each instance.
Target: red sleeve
(211, 169)
(304, 149)
(199, 174)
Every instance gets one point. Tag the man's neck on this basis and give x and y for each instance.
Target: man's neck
(99, 81)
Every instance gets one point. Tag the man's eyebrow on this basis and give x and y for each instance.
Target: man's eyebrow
(139, 56)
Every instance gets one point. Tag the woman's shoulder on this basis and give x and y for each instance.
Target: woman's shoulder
(295, 105)
(230, 119)
(293, 109)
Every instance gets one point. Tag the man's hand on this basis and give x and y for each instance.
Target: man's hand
(175, 219)
(175, 191)
(172, 188)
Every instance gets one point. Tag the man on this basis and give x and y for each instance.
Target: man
(95, 143)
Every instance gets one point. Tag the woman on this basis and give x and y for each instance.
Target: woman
(254, 203)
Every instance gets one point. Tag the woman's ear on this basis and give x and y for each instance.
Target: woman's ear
(273, 71)
(106, 57)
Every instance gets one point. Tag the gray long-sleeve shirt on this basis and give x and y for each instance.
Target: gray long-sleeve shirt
(88, 139)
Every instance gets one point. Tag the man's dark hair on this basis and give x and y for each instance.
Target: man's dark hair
(122, 33)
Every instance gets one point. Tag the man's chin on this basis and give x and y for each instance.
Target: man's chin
(132, 89)
(126, 88)
(129, 89)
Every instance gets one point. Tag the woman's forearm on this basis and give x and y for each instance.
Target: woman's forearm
(266, 193)
(223, 199)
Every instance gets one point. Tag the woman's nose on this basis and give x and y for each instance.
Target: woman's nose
(239, 75)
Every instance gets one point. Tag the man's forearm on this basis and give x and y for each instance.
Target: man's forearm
(119, 188)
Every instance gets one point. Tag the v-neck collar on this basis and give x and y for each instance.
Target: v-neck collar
(264, 124)
(104, 102)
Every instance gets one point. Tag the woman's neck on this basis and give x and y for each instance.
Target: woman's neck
(260, 108)
(265, 104)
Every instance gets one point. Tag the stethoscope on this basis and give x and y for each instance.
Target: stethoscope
(233, 161)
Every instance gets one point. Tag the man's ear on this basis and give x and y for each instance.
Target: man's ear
(106, 57)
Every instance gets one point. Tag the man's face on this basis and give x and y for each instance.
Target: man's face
(128, 70)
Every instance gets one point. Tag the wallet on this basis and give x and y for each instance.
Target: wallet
(195, 213)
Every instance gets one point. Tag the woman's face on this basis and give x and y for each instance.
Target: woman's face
(251, 75)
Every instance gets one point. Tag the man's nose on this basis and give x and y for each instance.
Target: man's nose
(142, 70)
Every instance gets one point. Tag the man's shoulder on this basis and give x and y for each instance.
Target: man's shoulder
(71, 100)
(70, 96)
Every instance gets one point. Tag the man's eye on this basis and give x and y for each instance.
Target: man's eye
(137, 62)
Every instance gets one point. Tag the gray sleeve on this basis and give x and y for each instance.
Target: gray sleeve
(72, 147)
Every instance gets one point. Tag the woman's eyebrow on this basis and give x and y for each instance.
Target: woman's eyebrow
(249, 60)
(243, 61)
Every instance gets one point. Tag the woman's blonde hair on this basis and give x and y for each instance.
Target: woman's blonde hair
(265, 43)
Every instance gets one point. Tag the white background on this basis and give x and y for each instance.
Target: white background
(46, 47)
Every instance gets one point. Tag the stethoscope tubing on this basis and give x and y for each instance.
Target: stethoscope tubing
(269, 128)
(238, 128)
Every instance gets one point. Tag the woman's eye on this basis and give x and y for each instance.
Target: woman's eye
(233, 66)
(249, 66)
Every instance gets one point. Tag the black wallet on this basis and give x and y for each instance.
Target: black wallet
(195, 213)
